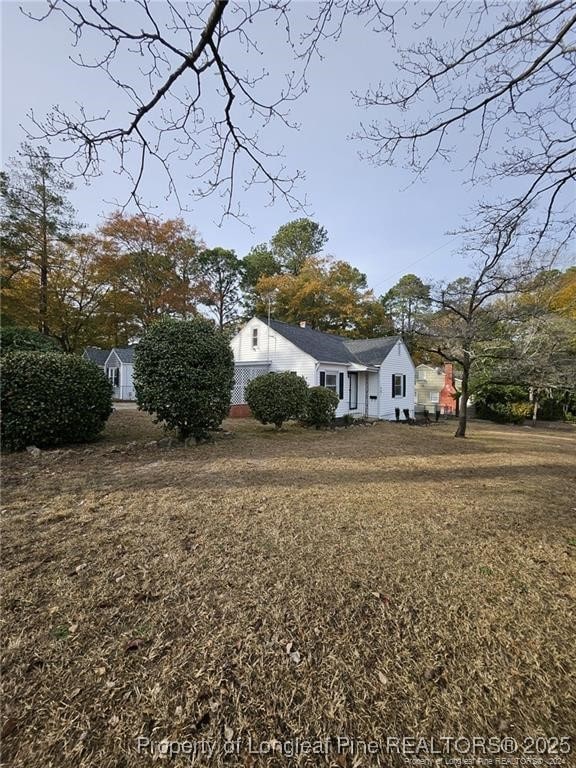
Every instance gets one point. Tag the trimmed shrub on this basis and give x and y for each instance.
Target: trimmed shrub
(321, 407)
(49, 399)
(275, 398)
(13, 338)
(183, 374)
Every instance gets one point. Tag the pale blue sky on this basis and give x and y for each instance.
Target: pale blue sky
(376, 218)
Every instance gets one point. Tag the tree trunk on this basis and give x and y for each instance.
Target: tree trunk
(463, 415)
(535, 407)
(43, 300)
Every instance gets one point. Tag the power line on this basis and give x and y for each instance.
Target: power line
(412, 264)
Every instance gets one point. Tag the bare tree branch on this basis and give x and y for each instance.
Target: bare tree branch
(509, 81)
(197, 97)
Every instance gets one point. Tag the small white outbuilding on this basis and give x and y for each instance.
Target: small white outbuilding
(118, 365)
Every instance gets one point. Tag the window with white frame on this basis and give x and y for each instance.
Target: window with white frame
(421, 374)
(398, 385)
(254, 338)
(434, 397)
(114, 376)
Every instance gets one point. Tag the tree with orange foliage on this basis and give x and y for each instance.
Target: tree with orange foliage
(75, 295)
(564, 297)
(150, 266)
(329, 295)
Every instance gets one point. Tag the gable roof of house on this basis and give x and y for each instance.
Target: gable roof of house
(372, 351)
(96, 355)
(319, 345)
(328, 347)
(124, 354)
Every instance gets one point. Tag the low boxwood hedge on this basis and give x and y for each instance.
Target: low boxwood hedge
(275, 398)
(321, 407)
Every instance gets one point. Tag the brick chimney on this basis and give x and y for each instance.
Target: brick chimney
(447, 401)
(302, 323)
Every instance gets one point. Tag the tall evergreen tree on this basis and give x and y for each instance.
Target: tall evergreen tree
(220, 273)
(406, 302)
(36, 219)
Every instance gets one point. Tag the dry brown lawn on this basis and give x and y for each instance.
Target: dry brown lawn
(385, 581)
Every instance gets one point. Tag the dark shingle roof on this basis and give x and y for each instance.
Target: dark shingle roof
(330, 348)
(321, 346)
(371, 351)
(96, 355)
(126, 354)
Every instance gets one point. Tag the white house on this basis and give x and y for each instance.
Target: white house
(118, 365)
(372, 377)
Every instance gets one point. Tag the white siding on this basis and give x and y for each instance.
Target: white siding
(126, 384)
(344, 404)
(397, 361)
(283, 355)
(125, 389)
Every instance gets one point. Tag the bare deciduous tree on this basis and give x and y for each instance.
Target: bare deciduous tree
(508, 79)
(471, 312)
(199, 96)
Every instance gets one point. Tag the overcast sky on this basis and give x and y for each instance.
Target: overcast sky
(376, 217)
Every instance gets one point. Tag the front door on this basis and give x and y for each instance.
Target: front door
(353, 393)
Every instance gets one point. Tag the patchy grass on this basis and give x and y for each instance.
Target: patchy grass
(374, 582)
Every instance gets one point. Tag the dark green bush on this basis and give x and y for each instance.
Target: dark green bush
(551, 409)
(511, 404)
(13, 338)
(183, 374)
(501, 403)
(277, 397)
(321, 407)
(50, 399)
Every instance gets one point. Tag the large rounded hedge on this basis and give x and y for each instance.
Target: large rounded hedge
(49, 399)
(183, 374)
(275, 398)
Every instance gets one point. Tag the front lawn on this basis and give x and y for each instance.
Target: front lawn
(385, 581)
